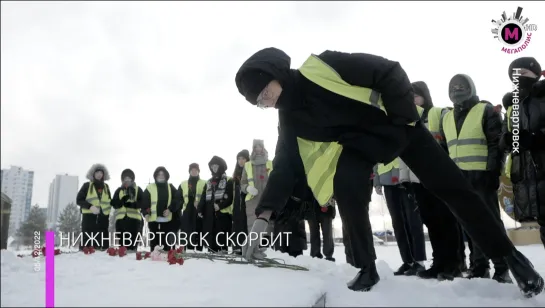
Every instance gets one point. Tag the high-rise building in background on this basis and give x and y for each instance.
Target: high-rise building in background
(62, 191)
(17, 184)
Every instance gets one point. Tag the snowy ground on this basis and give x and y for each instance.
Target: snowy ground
(101, 280)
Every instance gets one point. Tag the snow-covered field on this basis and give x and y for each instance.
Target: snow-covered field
(101, 280)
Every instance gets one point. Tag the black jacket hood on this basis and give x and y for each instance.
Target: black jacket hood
(127, 173)
(271, 61)
(421, 88)
(161, 168)
(222, 165)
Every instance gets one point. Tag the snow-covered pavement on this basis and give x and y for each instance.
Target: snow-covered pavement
(101, 280)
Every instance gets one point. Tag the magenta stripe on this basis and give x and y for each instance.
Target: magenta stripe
(49, 269)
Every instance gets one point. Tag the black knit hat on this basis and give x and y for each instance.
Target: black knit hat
(528, 63)
(253, 82)
(194, 166)
(244, 153)
(127, 173)
(161, 168)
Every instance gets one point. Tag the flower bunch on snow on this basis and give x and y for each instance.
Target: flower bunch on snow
(121, 251)
(139, 255)
(36, 252)
(88, 250)
(176, 256)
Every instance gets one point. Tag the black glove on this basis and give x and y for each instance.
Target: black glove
(125, 198)
(130, 205)
(507, 140)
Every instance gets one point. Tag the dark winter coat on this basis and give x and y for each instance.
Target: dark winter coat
(528, 166)
(491, 123)
(309, 111)
(98, 185)
(239, 201)
(220, 189)
(118, 203)
(189, 215)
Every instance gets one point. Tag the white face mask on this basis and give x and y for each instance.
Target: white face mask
(161, 177)
(214, 168)
(127, 181)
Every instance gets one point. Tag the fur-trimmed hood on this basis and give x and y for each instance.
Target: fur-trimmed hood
(94, 168)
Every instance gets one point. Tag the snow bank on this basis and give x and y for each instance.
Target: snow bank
(127, 282)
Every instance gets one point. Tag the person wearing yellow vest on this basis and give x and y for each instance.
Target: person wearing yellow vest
(159, 203)
(127, 202)
(254, 178)
(471, 133)
(406, 221)
(94, 200)
(240, 222)
(340, 114)
(189, 193)
(216, 206)
(523, 139)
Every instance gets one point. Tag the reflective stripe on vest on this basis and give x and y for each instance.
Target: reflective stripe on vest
(92, 197)
(509, 159)
(469, 149)
(154, 195)
(130, 212)
(198, 191)
(250, 175)
(320, 161)
(320, 73)
(389, 174)
(434, 122)
(229, 209)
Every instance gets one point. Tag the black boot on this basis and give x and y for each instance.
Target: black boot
(479, 271)
(414, 269)
(528, 280)
(365, 279)
(450, 272)
(431, 273)
(402, 269)
(501, 275)
(319, 256)
(330, 259)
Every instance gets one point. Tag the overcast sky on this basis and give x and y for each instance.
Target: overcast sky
(140, 85)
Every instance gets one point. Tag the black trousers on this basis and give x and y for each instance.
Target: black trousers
(346, 241)
(408, 227)
(163, 234)
(316, 223)
(128, 229)
(477, 256)
(353, 205)
(443, 229)
(94, 230)
(447, 182)
(223, 226)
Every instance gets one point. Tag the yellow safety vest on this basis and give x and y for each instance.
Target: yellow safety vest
(434, 122)
(509, 159)
(320, 73)
(198, 191)
(125, 211)
(469, 149)
(154, 195)
(229, 209)
(92, 197)
(250, 175)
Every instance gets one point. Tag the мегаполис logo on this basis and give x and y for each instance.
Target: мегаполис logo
(515, 33)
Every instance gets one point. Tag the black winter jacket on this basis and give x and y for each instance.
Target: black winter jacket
(308, 111)
(118, 203)
(162, 200)
(82, 194)
(528, 165)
